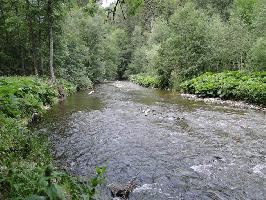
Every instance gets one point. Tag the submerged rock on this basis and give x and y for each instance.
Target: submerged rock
(35, 117)
(122, 190)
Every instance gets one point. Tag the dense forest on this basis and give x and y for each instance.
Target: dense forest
(213, 48)
(176, 40)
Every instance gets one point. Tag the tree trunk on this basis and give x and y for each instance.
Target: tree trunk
(148, 14)
(51, 40)
(42, 65)
(40, 54)
(32, 40)
(23, 61)
(241, 61)
(20, 45)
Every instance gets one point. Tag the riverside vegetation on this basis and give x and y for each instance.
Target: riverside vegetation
(229, 85)
(234, 85)
(27, 170)
(225, 39)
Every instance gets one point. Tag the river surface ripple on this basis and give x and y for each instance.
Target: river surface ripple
(177, 148)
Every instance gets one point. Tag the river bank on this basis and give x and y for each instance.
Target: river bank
(236, 88)
(219, 101)
(27, 168)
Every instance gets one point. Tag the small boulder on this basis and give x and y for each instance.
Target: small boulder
(122, 190)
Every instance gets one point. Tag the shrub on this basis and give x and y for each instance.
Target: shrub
(31, 182)
(18, 143)
(235, 85)
(258, 54)
(21, 96)
(69, 87)
(145, 80)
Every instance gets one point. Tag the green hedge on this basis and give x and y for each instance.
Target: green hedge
(26, 164)
(234, 85)
(145, 80)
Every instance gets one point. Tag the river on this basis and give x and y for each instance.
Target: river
(176, 148)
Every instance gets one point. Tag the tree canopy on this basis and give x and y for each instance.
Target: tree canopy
(84, 42)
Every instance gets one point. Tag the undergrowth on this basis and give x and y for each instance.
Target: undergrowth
(26, 164)
(233, 85)
(145, 80)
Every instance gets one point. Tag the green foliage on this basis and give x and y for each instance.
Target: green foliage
(26, 170)
(115, 53)
(138, 62)
(221, 7)
(184, 51)
(174, 40)
(134, 5)
(229, 44)
(258, 21)
(124, 52)
(21, 96)
(199, 37)
(76, 51)
(17, 143)
(146, 46)
(91, 51)
(69, 87)
(160, 31)
(145, 80)
(257, 55)
(30, 181)
(245, 10)
(236, 85)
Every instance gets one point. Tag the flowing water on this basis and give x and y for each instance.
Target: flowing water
(176, 148)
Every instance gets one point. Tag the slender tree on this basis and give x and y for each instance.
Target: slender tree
(51, 39)
(31, 37)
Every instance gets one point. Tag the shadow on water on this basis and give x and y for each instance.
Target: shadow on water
(177, 148)
(57, 121)
(80, 101)
(156, 96)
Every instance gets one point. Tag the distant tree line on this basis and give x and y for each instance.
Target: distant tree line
(173, 39)
(177, 40)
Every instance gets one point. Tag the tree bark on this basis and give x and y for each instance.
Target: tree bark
(51, 39)
(40, 54)
(41, 60)
(21, 51)
(32, 40)
(148, 14)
